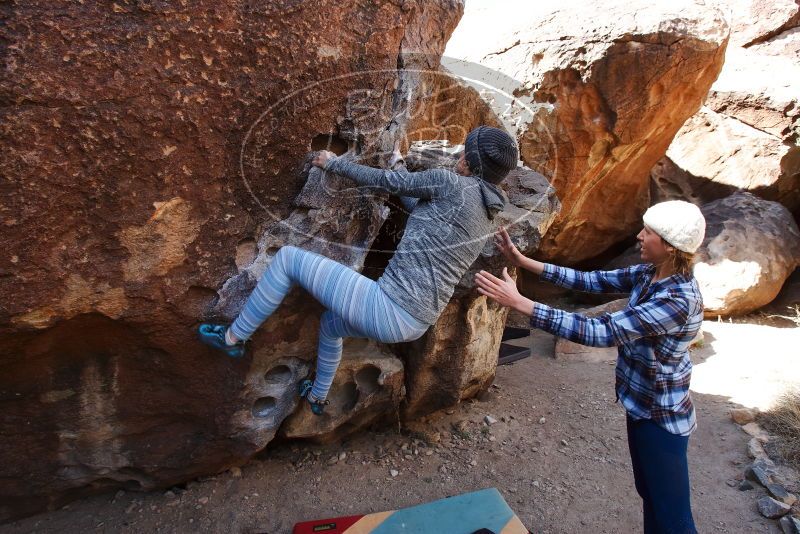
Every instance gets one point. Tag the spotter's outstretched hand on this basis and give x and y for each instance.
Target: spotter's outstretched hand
(504, 244)
(503, 291)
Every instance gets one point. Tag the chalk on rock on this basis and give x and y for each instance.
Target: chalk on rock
(325, 189)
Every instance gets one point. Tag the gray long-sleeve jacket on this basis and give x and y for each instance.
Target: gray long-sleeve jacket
(451, 218)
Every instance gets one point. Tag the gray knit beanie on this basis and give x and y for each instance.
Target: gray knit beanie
(491, 153)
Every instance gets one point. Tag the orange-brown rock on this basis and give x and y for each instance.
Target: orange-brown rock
(596, 103)
(450, 109)
(456, 359)
(148, 147)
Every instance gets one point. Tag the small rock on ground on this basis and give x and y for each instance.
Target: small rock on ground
(779, 493)
(790, 525)
(742, 416)
(757, 473)
(769, 507)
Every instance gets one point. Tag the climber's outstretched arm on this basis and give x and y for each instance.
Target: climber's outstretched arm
(428, 184)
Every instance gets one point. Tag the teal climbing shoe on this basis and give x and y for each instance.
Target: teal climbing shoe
(214, 336)
(317, 406)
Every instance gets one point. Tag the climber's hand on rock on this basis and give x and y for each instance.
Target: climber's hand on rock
(503, 291)
(396, 150)
(396, 157)
(322, 158)
(503, 242)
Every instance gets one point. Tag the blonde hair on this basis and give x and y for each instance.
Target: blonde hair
(681, 262)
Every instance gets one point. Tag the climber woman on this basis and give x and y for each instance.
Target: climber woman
(652, 333)
(451, 216)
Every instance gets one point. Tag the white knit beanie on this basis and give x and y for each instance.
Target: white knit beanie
(680, 223)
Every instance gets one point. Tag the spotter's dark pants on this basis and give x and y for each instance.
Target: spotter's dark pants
(661, 473)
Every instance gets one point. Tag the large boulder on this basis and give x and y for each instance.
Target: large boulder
(758, 22)
(595, 92)
(153, 153)
(456, 359)
(750, 249)
(747, 135)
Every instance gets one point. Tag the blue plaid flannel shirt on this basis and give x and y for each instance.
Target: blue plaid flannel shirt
(652, 333)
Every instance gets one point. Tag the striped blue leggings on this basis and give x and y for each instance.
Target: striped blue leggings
(356, 307)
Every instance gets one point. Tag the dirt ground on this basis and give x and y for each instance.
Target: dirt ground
(557, 453)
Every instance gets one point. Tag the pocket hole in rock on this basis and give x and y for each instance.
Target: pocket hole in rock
(345, 397)
(263, 407)
(331, 142)
(280, 374)
(367, 378)
(385, 243)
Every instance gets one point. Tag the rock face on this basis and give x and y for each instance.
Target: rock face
(756, 23)
(368, 386)
(334, 218)
(747, 135)
(751, 248)
(595, 105)
(457, 357)
(152, 153)
(450, 110)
